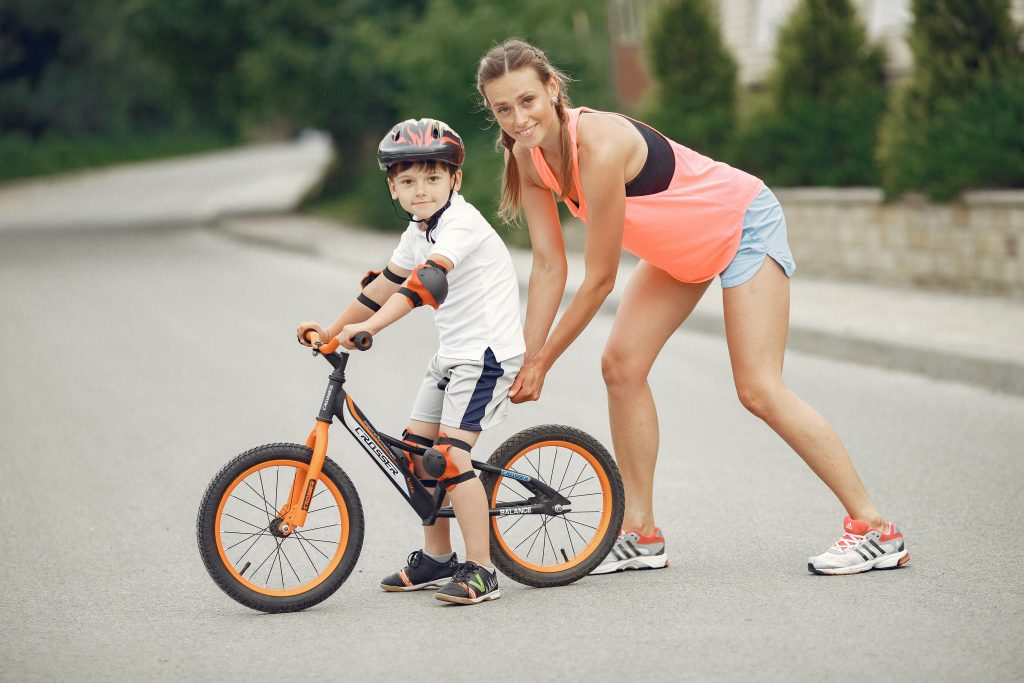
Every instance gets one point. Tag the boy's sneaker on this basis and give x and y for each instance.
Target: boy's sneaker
(861, 549)
(633, 550)
(421, 572)
(470, 584)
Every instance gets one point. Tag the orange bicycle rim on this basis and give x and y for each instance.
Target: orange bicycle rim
(602, 525)
(334, 560)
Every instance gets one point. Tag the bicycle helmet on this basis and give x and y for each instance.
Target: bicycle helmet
(421, 140)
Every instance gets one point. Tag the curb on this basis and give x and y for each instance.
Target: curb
(319, 238)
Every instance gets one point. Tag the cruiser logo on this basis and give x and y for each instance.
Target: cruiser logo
(389, 466)
(309, 495)
(522, 510)
(327, 397)
(515, 475)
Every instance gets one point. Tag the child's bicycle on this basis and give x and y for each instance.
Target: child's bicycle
(280, 527)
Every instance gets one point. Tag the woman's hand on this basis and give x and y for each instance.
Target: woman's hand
(528, 383)
(305, 328)
(349, 331)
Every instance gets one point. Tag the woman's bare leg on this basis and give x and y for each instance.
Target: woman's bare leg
(653, 307)
(756, 327)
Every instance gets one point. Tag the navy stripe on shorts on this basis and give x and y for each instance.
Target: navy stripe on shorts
(483, 393)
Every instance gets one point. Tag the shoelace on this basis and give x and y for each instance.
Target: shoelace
(461, 573)
(847, 541)
(413, 560)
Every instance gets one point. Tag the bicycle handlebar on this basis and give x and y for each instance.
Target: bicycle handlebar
(362, 340)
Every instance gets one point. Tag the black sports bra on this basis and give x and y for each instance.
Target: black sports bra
(656, 175)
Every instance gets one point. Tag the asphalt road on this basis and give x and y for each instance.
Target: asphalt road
(137, 362)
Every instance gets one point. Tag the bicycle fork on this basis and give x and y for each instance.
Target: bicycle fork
(293, 514)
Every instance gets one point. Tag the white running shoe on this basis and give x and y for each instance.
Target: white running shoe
(861, 549)
(633, 550)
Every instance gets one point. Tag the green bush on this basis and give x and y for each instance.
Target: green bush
(958, 122)
(826, 95)
(693, 100)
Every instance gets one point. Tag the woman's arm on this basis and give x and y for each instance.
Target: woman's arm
(605, 150)
(548, 269)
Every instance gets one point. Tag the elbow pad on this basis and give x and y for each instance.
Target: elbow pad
(428, 285)
(370, 276)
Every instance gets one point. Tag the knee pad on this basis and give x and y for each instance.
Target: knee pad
(412, 440)
(438, 464)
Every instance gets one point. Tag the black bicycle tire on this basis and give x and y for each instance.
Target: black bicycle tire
(507, 563)
(206, 521)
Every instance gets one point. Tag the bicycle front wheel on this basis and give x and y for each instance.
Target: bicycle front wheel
(237, 522)
(554, 550)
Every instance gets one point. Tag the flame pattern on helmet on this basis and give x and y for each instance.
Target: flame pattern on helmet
(421, 140)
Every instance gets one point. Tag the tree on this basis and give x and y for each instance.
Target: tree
(694, 96)
(958, 122)
(70, 68)
(826, 96)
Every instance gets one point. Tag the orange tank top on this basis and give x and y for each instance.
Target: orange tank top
(690, 230)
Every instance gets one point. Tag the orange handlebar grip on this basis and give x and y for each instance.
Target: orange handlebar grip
(330, 346)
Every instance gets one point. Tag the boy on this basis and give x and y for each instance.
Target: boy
(451, 259)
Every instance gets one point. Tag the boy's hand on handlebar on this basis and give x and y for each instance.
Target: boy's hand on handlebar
(303, 330)
(349, 331)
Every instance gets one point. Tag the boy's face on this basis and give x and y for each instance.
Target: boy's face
(422, 190)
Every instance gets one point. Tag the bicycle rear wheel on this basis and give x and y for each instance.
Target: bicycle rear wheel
(235, 530)
(554, 550)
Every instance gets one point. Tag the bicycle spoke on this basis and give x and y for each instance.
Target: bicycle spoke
(571, 521)
(303, 538)
(265, 501)
(568, 535)
(298, 539)
(521, 518)
(269, 518)
(317, 528)
(242, 500)
(553, 461)
(257, 570)
(290, 567)
(261, 528)
(258, 533)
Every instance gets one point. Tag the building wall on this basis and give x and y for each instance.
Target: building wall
(975, 244)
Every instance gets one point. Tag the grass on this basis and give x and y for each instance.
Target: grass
(24, 157)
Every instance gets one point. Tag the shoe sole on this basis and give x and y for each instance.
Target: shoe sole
(652, 562)
(892, 561)
(493, 595)
(437, 583)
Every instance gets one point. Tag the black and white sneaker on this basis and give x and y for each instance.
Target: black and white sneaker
(633, 550)
(421, 571)
(471, 584)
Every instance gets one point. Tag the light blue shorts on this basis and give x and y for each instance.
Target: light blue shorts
(764, 234)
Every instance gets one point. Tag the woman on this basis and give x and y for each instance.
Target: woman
(688, 218)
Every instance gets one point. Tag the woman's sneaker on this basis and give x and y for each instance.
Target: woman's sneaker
(861, 549)
(421, 571)
(633, 550)
(470, 584)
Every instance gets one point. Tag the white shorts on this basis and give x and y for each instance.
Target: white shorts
(466, 394)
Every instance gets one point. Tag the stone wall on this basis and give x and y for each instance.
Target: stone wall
(975, 244)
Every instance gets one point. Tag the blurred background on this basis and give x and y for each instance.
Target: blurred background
(920, 96)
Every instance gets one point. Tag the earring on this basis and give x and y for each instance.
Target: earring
(554, 101)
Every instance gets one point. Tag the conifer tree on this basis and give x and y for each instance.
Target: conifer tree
(826, 95)
(693, 100)
(958, 122)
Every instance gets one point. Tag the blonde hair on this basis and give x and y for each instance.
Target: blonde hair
(511, 55)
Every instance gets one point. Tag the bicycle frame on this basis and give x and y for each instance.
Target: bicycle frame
(337, 403)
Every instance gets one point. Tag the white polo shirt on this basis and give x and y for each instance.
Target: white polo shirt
(482, 307)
